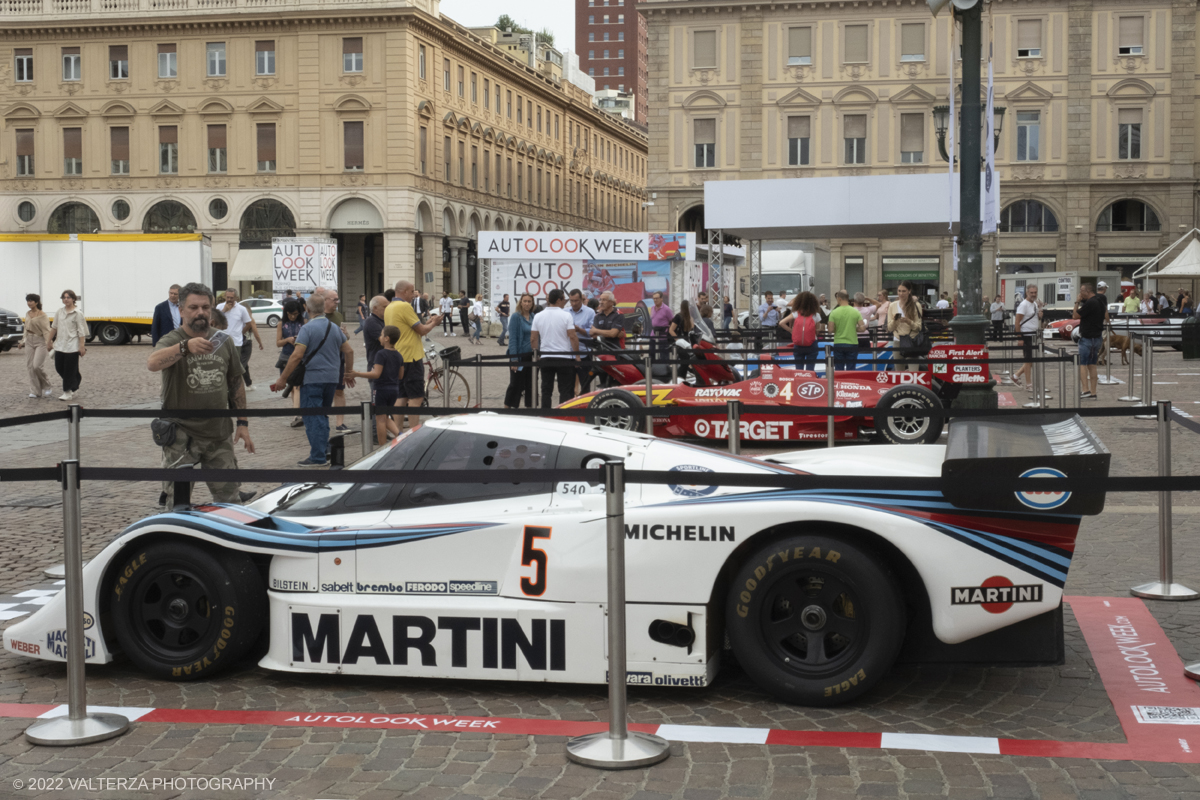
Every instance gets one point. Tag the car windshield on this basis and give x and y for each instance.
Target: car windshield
(402, 453)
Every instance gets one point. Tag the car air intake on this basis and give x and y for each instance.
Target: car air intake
(672, 633)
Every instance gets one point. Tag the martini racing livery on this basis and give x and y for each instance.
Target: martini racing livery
(817, 592)
(713, 383)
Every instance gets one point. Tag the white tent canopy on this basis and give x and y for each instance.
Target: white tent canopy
(1184, 265)
(252, 264)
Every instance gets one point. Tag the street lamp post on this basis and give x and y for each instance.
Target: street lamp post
(970, 323)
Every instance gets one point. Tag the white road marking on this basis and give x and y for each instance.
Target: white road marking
(130, 713)
(691, 733)
(939, 743)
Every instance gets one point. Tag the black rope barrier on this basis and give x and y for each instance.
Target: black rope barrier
(24, 475)
(30, 419)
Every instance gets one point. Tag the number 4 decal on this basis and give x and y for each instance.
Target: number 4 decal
(536, 558)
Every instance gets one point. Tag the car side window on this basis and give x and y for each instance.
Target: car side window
(456, 451)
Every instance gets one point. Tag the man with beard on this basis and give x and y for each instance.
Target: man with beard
(198, 375)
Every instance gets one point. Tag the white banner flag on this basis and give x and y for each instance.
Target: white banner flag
(991, 183)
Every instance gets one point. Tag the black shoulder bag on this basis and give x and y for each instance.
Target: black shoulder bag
(297, 376)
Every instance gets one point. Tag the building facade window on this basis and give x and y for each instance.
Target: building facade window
(854, 131)
(446, 74)
(422, 147)
(704, 49)
(265, 141)
(352, 54)
(73, 218)
(218, 152)
(171, 216)
(704, 132)
(508, 104)
(118, 144)
(856, 49)
(474, 167)
(799, 130)
(591, 37)
(462, 158)
(72, 151)
(912, 41)
(264, 58)
(120, 210)
(1129, 133)
(1027, 216)
(25, 151)
(799, 43)
(487, 95)
(620, 54)
(447, 157)
(421, 61)
(72, 68)
(168, 149)
(1132, 216)
(462, 84)
(1029, 38)
(352, 146)
(167, 66)
(216, 59)
(474, 88)
(26, 211)
(912, 138)
(1130, 36)
(1029, 130)
(118, 62)
(620, 72)
(23, 64)
(620, 36)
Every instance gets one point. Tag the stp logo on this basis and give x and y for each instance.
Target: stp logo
(811, 391)
(1043, 501)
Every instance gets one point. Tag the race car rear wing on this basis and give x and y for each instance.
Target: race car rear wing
(985, 450)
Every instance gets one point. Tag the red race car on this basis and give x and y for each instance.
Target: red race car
(713, 383)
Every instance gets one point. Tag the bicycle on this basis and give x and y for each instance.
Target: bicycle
(444, 385)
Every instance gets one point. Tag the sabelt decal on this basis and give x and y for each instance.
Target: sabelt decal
(490, 642)
(691, 490)
(995, 595)
(1043, 501)
(682, 533)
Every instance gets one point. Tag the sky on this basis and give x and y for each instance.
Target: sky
(557, 15)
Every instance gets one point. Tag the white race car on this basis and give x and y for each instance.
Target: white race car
(816, 592)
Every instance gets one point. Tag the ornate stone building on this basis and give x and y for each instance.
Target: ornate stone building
(385, 125)
(1096, 157)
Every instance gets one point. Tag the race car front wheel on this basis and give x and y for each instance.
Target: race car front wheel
(909, 430)
(182, 612)
(815, 620)
(618, 400)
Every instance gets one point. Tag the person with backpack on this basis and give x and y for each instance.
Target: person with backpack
(804, 323)
(846, 322)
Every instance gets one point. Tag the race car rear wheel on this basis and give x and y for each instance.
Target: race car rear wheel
(182, 612)
(618, 400)
(909, 430)
(815, 620)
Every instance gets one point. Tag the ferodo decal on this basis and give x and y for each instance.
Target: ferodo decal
(682, 533)
(218, 648)
(491, 642)
(779, 557)
(1043, 501)
(996, 594)
(133, 565)
(691, 489)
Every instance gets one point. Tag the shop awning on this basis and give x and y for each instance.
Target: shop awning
(252, 265)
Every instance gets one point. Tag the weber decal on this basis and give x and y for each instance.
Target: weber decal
(490, 642)
(996, 595)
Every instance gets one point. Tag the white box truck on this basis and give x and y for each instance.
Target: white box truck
(119, 278)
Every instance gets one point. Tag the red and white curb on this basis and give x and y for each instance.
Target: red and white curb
(1141, 672)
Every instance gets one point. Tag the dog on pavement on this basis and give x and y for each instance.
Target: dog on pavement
(1121, 343)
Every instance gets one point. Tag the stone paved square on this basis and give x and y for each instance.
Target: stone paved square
(1066, 703)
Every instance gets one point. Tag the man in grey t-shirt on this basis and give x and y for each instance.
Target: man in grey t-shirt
(997, 309)
(322, 373)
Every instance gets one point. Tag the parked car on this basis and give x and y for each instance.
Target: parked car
(264, 310)
(11, 330)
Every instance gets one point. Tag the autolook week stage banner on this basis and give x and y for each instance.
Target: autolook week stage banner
(583, 246)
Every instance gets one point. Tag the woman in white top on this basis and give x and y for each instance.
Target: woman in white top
(68, 337)
(904, 319)
(37, 333)
(477, 319)
(447, 308)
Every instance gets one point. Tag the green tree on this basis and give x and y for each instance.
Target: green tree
(507, 23)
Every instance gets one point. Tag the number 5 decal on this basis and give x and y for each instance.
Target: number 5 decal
(536, 558)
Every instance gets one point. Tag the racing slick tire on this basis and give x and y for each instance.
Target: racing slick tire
(909, 430)
(815, 620)
(619, 399)
(182, 612)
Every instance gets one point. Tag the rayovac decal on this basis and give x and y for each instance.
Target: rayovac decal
(996, 595)
(718, 392)
(691, 490)
(490, 641)
(682, 533)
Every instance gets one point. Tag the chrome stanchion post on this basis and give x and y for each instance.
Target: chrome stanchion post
(1062, 377)
(1041, 367)
(78, 726)
(1075, 372)
(1036, 384)
(830, 379)
(478, 380)
(1130, 397)
(735, 427)
(368, 427)
(1165, 588)
(1147, 376)
(1107, 379)
(617, 748)
(648, 366)
(58, 571)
